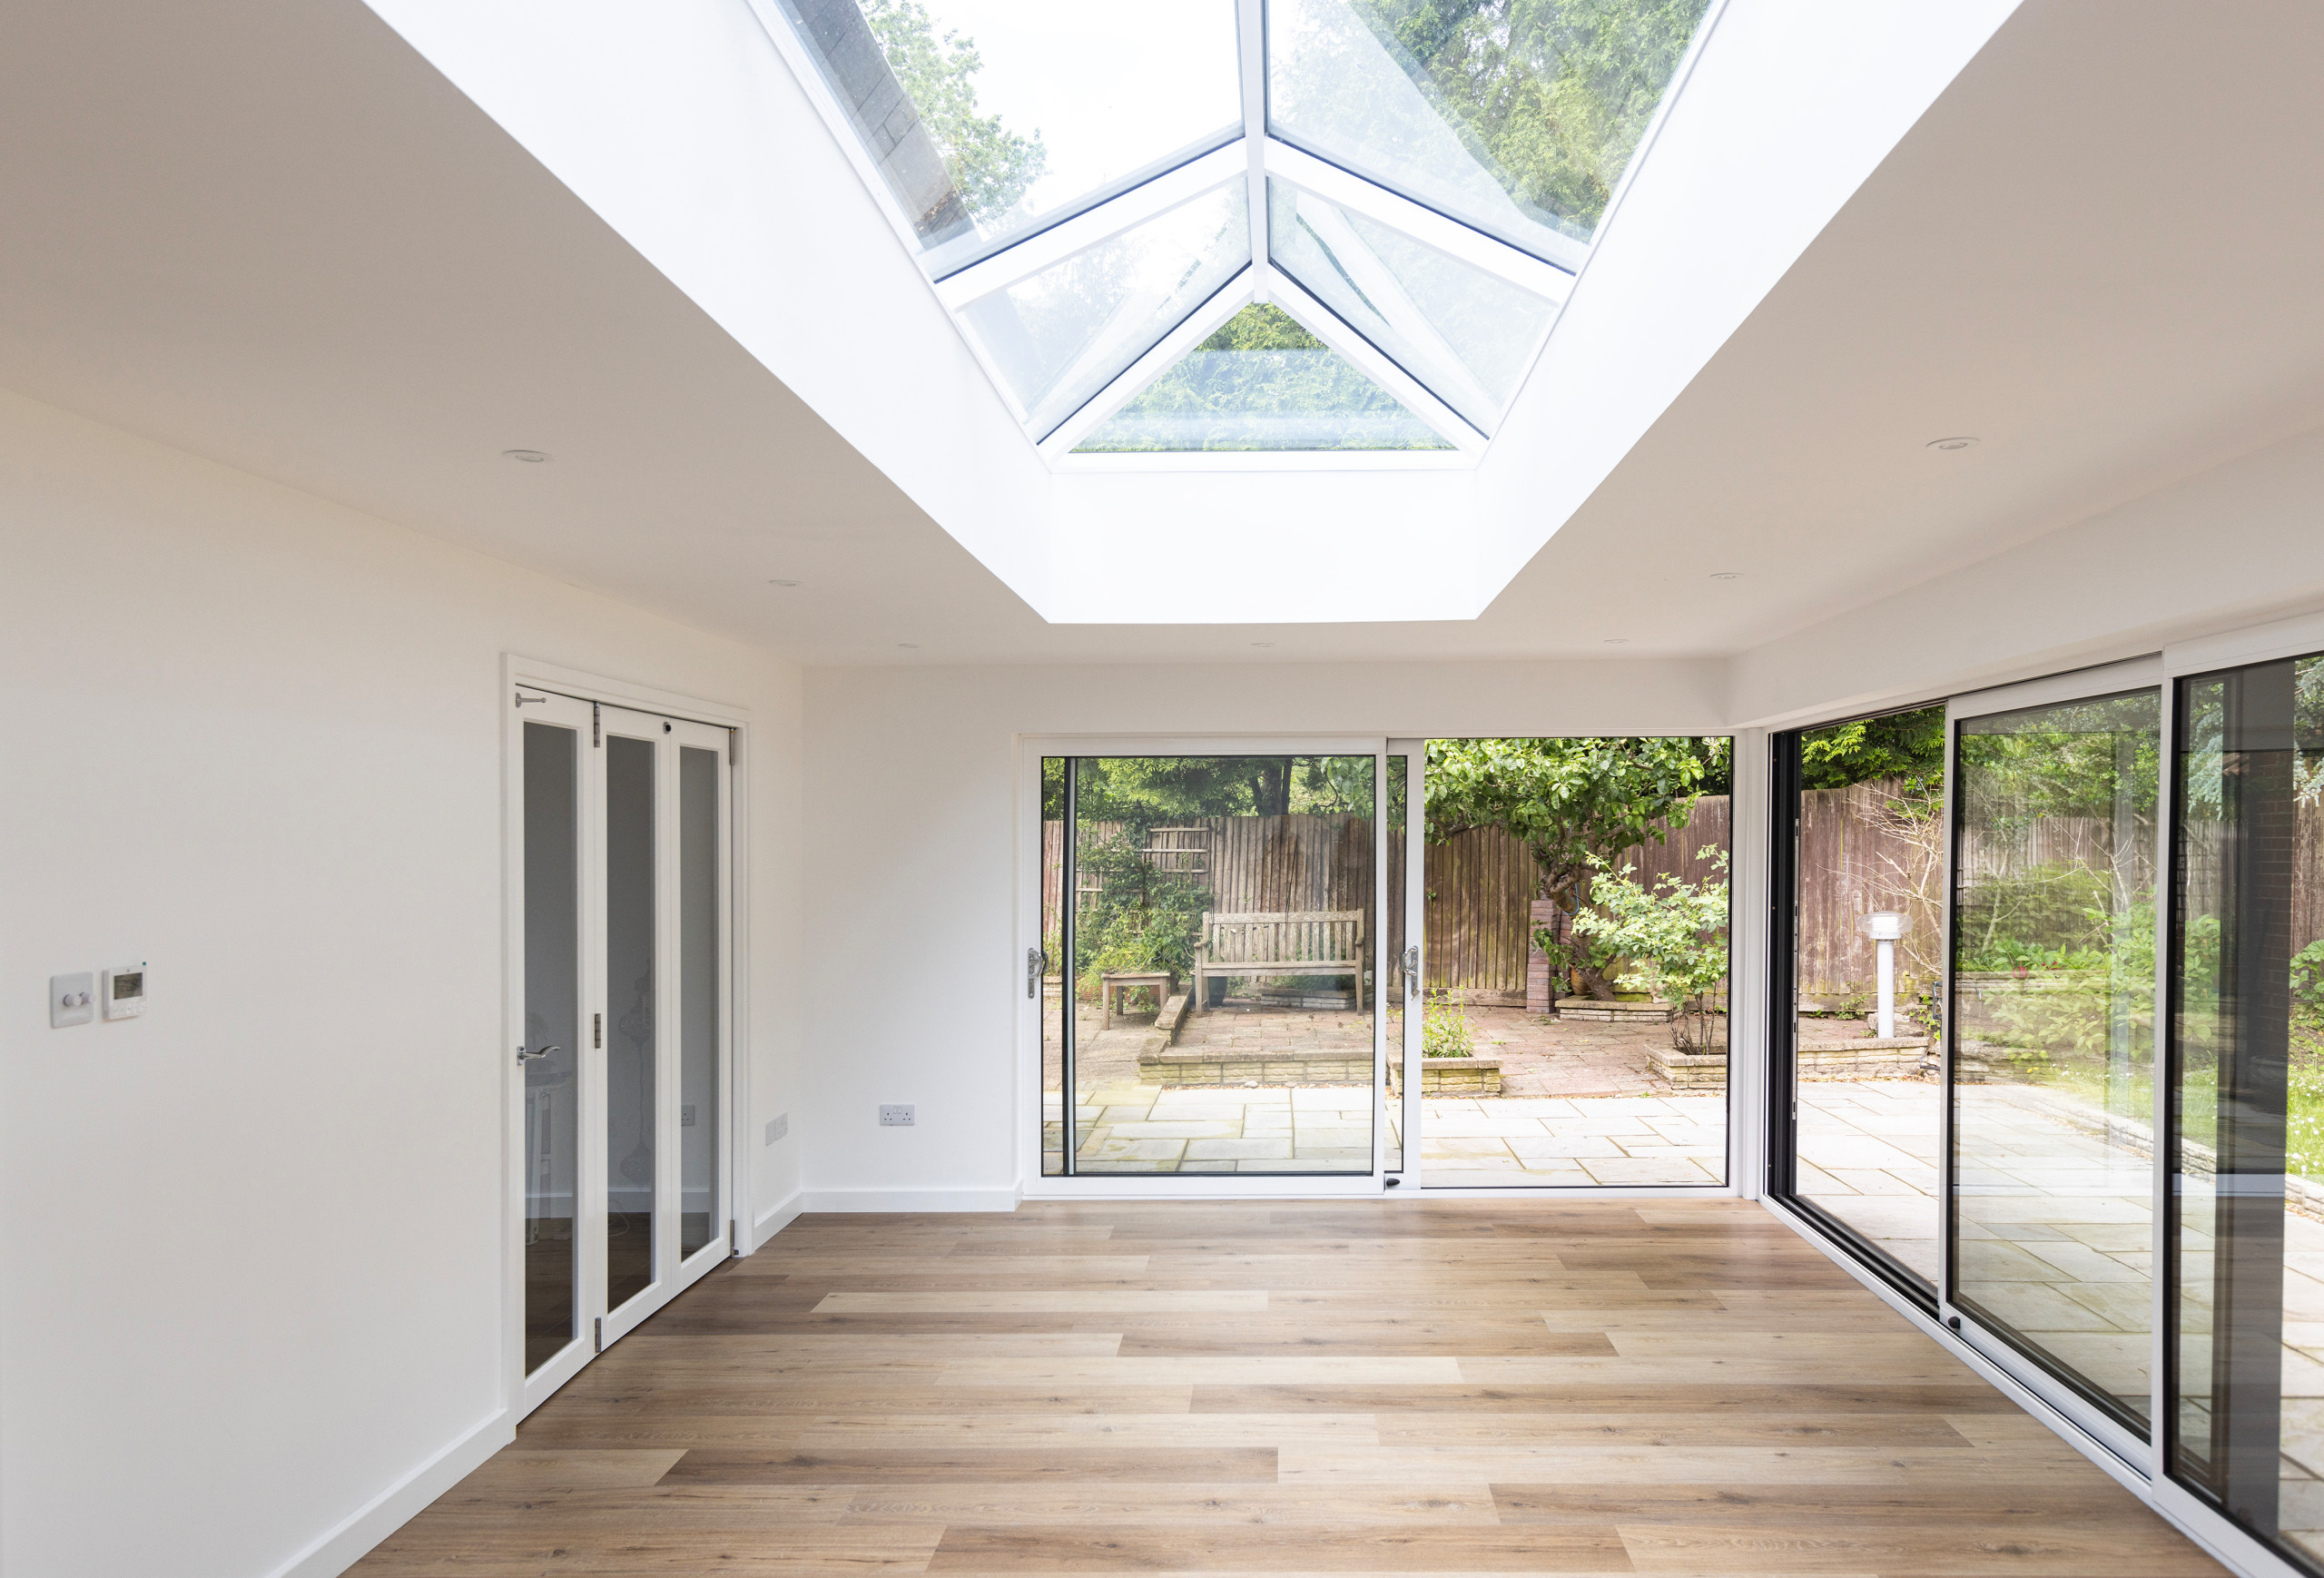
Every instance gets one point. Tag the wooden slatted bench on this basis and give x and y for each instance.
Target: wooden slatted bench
(1292, 943)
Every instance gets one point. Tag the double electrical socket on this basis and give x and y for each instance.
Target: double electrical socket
(777, 1127)
(895, 1114)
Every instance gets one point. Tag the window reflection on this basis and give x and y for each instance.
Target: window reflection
(2053, 1038)
(2248, 1110)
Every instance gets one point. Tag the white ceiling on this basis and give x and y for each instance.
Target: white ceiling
(271, 233)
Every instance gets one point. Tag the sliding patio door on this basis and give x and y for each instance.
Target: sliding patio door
(2051, 1228)
(623, 1061)
(1209, 973)
(2245, 1245)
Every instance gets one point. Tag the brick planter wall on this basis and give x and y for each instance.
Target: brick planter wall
(1541, 991)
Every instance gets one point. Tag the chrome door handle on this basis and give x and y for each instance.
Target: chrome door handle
(1411, 972)
(524, 1056)
(1037, 964)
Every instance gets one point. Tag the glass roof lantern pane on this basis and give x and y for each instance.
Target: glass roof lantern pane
(987, 118)
(1467, 335)
(1059, 337)
(1517, 116)
(1261, 382)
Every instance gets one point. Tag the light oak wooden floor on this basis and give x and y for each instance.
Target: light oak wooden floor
(1677, 1387)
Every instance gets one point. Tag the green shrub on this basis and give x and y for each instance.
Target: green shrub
(1444, 1030)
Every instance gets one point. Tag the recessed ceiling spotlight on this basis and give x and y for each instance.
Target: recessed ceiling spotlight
(1962, 441)
(1727, 575)
(529, 456)
(1618, 641)
(908, 645)
(783, 583)
(1262, 643)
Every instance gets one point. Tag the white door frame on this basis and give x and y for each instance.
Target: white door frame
(694, 722)
(1409, 1113)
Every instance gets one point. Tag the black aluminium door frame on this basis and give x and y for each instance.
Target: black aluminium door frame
(1783, 1017)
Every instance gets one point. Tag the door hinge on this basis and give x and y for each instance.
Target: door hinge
(601, 1334)
(596, 1030)
(597, 735)
(733, 747)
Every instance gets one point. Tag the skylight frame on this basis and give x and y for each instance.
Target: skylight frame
(1256, 154)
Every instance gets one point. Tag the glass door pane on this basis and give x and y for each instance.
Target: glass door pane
(700, 1113)
(2246, 1235)
(1574, 1026)
(1217, 943)
(1865, 831)
(2053, 1027)
(1400, 935)
(551, 1053)
(631, 914)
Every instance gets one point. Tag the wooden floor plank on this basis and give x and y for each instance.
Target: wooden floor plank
(1682, 1388)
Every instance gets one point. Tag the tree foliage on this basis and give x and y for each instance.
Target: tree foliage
(1909, 746)
(991, 166)
(1573, 803)
(1674, 937)
(1552, 96)
(1145, 791)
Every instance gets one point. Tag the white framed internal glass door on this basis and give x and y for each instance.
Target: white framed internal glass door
(624, 1060)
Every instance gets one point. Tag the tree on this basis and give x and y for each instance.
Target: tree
(992, 167)
(1550, 97)
(1568, 801)
(1909, 746)
(1674, 937)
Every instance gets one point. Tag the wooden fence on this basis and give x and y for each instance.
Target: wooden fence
(1480, 883)
(1856, 854)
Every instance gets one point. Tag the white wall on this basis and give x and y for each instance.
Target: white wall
(252, 1243)
(914, 979)
(2230, 546)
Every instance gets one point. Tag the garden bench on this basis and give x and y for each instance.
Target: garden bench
(1293, 943)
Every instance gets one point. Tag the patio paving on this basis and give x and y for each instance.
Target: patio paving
(1579, 1104)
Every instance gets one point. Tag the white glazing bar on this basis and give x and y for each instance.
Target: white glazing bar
(1251, 30)
(1357, 196)
(1436, 363)
(1324, 324)
(1093, 227)
(1197, 329)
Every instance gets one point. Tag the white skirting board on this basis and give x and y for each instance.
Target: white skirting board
(960, 1200)
(773, 1220)
(342, 1547)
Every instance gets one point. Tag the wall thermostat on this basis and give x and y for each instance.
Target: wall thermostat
(122, 992)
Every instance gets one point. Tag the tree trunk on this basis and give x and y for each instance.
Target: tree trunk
(1572, 893)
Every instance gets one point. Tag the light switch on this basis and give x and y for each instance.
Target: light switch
(72, 998)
